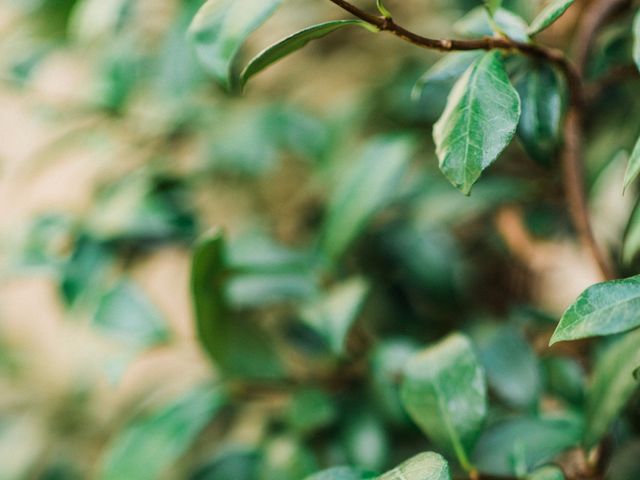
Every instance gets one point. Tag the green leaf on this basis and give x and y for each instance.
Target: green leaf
(284, 458)
(636, 39)
(221, 27)
(526, 442)
(424, 466)
(541, 92)
(342, 473)
(478, 23)
(293, 43)
(547, 473)
(125, 313)
(237, 347)
(382, 9)
(631, 241)
(548, 15)
(333, 315)
(612, 385)
(310, 410)
(444, 391)
(478, 123)
(366, 440)
(633, 169)
(492, 6)
(603, 309)
(447, 69)
(510, 363)
(150, 445)
(368, 187)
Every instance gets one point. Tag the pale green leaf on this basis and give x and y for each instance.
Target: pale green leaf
(547, 473)
(444, 391)
(603, 309)
(382, 9)
(612, 385)
(633, 169)
(221, 27)
(342, 473)
(631, 241)
(293, 43)
(150, 445)
(478, 123)
(364, 190)
(238, 347)
(424, 466)
(478, 23)
(554, 10)
(446, 70)
(333, 315)
(492, 6)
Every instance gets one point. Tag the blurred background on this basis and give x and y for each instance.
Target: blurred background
(117, 151)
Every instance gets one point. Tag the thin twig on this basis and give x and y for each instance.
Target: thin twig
(572, 152)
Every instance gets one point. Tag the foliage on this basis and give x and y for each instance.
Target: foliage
(358, 313)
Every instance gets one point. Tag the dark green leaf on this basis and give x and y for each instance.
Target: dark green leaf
(444, 390)
(236, 346)
(612, 385)
(221, 27)
(479, 122)
(528, 441)
(566, 378)
(548, 15)
(603, 309)
(631, 241)
(424, 466)
(293, 43)
(633, 170)
(364, 190)
(636, 39)
(541, 94)
(126, 314)
(149, 446)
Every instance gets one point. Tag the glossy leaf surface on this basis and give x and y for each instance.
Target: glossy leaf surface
(478, 123)
(603, 309)
(549, 14)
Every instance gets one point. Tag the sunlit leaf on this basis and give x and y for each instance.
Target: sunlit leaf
(221, 27)
(479, 122)
(293, 43)
(548, 15)
(603, 309)
(148, 446)
(444, 390)
(477, 23)
(424, 466)
(612, 385)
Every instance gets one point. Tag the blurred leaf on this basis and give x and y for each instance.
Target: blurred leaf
(624, 464)
(566, 378)
(492, 6)
(633, 170)
(603, 309)
(367, 188)
(310, 410)
(444, 392)
(547, 473)
(479, 122)
(612, 385)
(541, 95)
(477, 23)
(237, 347)
(96, 19)
(126, 314)
(221, 27)
(236, 464)
(294, 43)
(636, 39)
(84, 272)
(534, 441)
(150, 445)
(366, 441)
(424, 466)
(342, 473)
(386, 368)
(548, 15)
(510, 363)
(631, 239)
(286, 459)
(333, 314)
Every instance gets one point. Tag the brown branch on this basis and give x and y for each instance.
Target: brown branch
(572, 152)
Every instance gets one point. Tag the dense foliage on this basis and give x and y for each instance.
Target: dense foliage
(388, 300)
